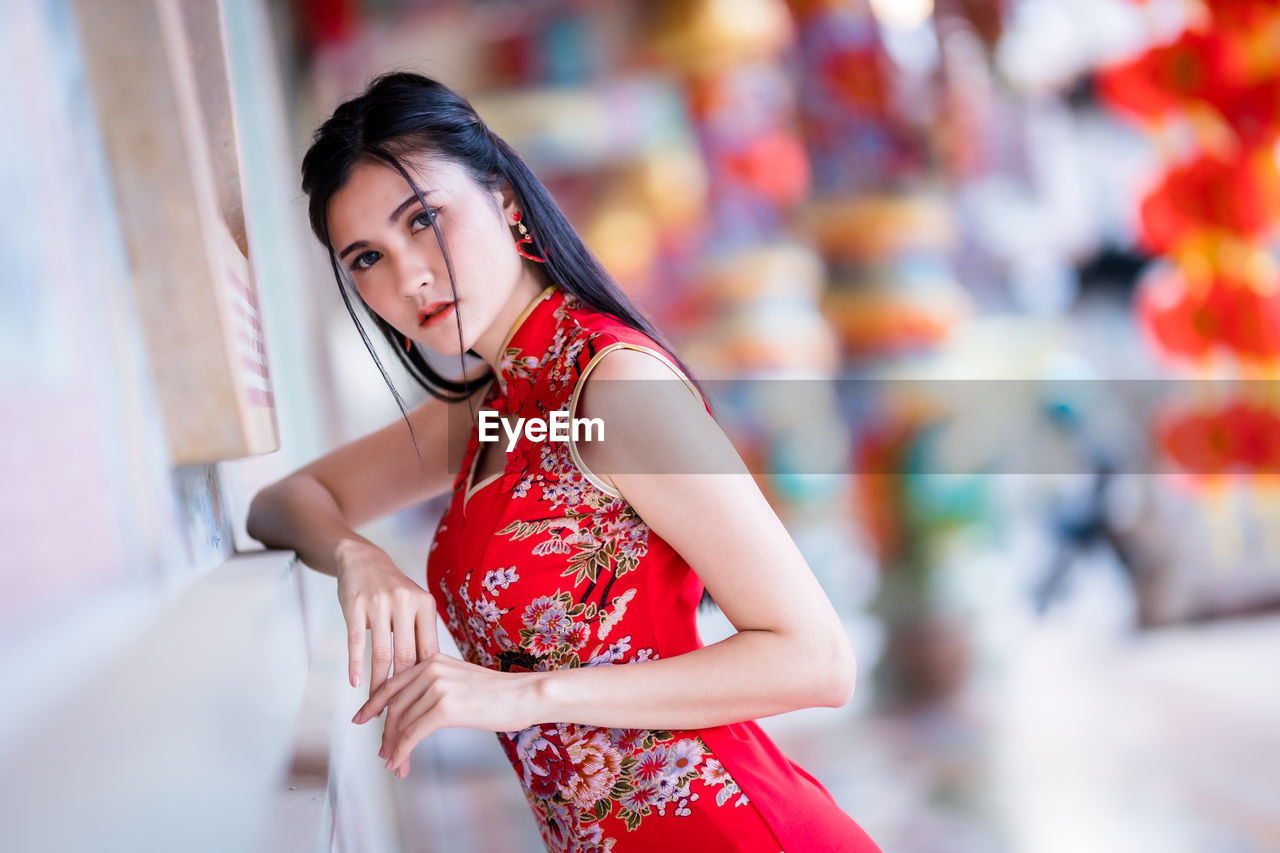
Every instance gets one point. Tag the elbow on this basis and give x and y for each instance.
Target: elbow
(253, 520)
(257, 521)
(841, 673)
(832, 671)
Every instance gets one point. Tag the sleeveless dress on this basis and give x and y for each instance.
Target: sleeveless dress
(543, 566)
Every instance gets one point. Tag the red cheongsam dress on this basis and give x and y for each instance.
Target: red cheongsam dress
(542, 567)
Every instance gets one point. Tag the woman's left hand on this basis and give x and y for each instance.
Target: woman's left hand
(441, 692)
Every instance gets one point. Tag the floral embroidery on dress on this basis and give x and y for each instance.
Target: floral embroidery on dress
(600, 534)
(523, 373)
(609, 616)
(496, 579)
(475, 625)
(582, 774)
(551, 634)
(581, 781)
(516, 367)
(589, 772)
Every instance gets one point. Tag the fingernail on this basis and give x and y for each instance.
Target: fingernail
(388, 764)
(357, 682)
(356, 718)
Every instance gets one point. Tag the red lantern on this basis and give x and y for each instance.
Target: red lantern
(1231, 313)
(1163, 80)
(1253, 113)
(1254, 331)
(1198, 444)
(1252, 28)
(1240, 437)
(1257, 436)
(1180, 325)
(1240, 197)
(1233, 69)
(1214, 212)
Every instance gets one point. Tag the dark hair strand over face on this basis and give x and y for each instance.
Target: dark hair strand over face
(402, 116)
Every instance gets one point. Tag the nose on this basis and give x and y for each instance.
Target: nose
(413, 272)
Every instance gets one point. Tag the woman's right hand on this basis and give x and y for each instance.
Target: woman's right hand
(377, 597)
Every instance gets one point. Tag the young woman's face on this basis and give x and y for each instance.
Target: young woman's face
(383, 236)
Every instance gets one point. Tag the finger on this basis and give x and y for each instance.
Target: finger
(384, 693)
(380, 665)
(405, 698)
(402, 626)
(421, 721)
(382, 696)
(375, 703)
(425, 625)
(356, 626)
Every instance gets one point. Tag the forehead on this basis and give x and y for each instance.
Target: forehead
(361, 206)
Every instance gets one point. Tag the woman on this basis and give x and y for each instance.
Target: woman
(558, 556)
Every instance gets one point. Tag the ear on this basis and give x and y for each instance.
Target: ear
(507, 200)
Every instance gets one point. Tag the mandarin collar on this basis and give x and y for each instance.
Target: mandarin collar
(529, 338)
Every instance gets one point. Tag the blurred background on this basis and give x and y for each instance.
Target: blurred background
(1018, 255)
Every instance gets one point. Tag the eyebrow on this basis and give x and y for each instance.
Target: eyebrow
(395, 215)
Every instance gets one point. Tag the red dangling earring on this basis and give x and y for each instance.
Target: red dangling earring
(525, 237)
(406, 343)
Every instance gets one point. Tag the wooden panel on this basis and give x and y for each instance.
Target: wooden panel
(159, 76)
(205, 44)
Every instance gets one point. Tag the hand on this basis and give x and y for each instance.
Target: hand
(376, 596)
(442, 692)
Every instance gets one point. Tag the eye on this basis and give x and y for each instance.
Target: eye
(424, 221)
(365, 260)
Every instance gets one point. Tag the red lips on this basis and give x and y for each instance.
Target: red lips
(427, 311)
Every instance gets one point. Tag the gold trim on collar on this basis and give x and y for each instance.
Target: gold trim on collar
(519, 321)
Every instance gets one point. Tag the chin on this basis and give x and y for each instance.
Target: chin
(446, 344)
(447, 351)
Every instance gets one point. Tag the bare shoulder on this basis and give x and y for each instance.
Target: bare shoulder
(654, 420)
(629, 361)
(638, 393)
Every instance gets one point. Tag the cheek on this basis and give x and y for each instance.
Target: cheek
(489, 262)
(504, 257)
(373, 292)
(363, 287)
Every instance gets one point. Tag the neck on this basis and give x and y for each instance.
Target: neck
(490, 344)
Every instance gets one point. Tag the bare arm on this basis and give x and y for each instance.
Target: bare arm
(316, 509)
(790, 651)
(300, 514)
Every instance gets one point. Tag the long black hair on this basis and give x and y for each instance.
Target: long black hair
(402, 115)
